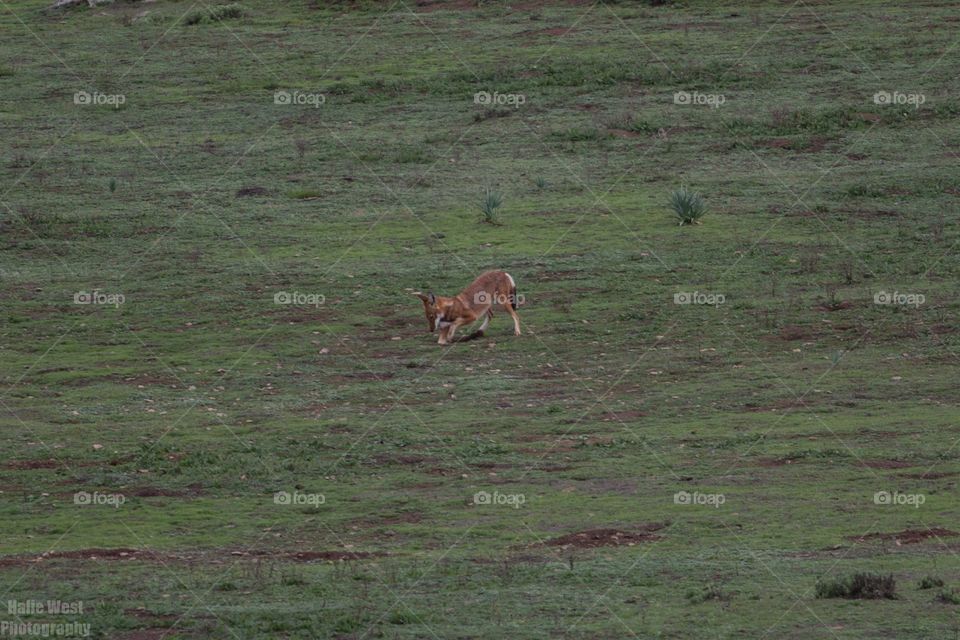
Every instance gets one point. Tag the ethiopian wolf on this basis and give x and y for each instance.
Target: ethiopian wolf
(478, 299)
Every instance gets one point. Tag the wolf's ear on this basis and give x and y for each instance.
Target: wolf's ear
(432, 298)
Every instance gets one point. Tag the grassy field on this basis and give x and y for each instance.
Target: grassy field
(191, 457)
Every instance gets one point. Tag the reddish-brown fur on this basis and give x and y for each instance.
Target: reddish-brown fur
(493, 288)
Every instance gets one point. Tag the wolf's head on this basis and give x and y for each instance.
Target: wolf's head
(431, 307)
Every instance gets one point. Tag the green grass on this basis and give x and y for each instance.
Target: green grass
(618, 412)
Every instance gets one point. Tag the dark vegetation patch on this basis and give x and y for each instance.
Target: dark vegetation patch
(859, 586)
(249, 192)
(930, 475)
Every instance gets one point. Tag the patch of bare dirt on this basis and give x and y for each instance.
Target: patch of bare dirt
(331, 556)
(148, 555)
(594, 538)
(150, 491)
(930, 475)
(21, 465)
(887, 464)
(145, 380)
(835, 306)
(623, 133)
(814, 144)
(429, 6)
(249, 192)
(907, 536)
(792, 332)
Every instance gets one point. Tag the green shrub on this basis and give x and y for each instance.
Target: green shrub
(305, 194)
(859, 586)
(948, 596)
(688, 206)
(214, 14)
(929, 582)
(488, 206)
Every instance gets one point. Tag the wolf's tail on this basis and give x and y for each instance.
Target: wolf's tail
(513, 292)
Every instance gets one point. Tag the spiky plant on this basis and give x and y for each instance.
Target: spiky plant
(491, 202)
(688, 206)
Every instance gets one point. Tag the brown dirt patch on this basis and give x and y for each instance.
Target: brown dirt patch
(408, 459)
(145, 380)
(593, 538)
(907, 536)
(429, 6)
(623, 133)
(887, 464)
(942, 329)
(839, 306)
(930, 475)
(126, 554)
(21, 465)
(331, 556)
(814, 144)
(792, 332)
(439, 471)
(248, 192)
(150, 491)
